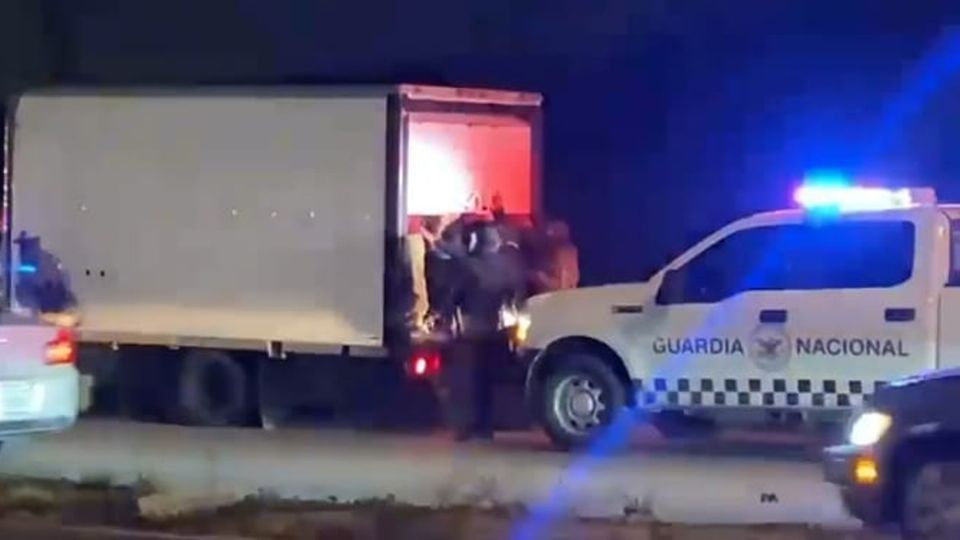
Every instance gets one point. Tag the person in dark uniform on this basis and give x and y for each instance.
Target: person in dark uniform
(511, 231)
(42, 283)
(489, 283)
(445, 274)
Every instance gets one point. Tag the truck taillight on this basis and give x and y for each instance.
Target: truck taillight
(424, 365)
(63, 349)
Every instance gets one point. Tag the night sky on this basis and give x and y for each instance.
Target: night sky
(664, 118)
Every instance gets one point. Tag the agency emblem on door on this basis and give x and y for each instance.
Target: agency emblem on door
(770, 347)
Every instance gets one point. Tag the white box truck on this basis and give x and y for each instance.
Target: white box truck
(235, 251)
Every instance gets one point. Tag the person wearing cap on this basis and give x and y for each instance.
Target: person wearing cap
(489, 285)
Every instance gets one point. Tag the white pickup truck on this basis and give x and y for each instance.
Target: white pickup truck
(39, 384)
(793, 316)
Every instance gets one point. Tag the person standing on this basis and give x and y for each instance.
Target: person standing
(477, 351)
(511, 250)
(556, 264)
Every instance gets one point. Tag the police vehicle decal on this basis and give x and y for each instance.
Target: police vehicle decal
(765, 343)
(770, 347)
(754, 392)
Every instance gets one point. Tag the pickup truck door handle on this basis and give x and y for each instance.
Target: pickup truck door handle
(625, 309)
(773, 316)
(899, 314)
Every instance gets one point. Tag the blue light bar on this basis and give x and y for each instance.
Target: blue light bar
(840, 198)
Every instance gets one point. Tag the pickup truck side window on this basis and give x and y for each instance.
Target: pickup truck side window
(954, 280)
(814, 256)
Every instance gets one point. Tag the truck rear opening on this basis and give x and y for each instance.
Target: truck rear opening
(456, 161)
(462, 162)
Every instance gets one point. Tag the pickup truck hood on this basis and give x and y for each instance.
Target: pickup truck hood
(581, 312)
(605, 295)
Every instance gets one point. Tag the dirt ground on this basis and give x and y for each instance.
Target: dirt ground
(41, 510)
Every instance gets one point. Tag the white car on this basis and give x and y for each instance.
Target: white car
(792, 316)
(39, 382)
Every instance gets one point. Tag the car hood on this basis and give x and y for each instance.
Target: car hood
(926, 376)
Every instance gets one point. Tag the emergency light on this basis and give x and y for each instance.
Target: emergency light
(841, 198)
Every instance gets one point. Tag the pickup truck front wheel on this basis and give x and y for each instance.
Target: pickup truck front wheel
(931, 503)
(580, 398)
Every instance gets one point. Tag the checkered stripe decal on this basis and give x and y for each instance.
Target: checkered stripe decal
(802, 393)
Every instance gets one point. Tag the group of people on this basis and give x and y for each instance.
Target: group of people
(471, 267)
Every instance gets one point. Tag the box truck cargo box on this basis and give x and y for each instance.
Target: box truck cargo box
(255, 216)
(253, 219)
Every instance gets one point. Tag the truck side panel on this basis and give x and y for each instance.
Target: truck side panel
(210, 216)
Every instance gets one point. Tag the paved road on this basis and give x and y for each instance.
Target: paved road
(735, 482)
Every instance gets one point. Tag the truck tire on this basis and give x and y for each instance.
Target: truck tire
(931, 502)
(213, 390)
(580, 398)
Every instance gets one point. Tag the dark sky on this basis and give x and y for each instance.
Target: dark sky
(665, 118)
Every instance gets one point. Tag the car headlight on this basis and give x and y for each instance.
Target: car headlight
(516, 321)
(522, 329)
(509, 316)
(868, 428)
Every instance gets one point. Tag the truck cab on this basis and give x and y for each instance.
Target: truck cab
(792, 316)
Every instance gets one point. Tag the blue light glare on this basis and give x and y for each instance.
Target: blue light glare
(27, 269)
(843, 198)
(826, 177)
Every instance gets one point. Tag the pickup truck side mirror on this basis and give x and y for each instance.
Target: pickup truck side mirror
(673, 288)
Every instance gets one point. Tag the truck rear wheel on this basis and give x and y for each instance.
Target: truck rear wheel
(580, 398)
(213, 390)
(931, 502)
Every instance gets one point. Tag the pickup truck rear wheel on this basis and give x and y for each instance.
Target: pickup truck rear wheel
(931, 502)
(213, 390)
(580, 398)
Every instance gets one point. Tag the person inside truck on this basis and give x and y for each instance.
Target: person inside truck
(417, 307)
(444, 275)
(509, 231)
(421, 247)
